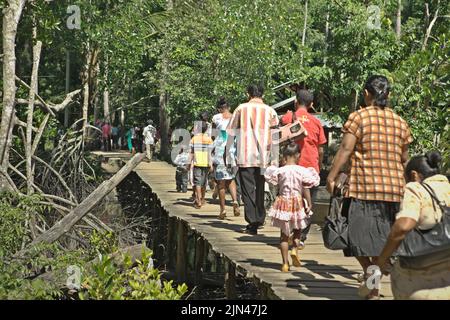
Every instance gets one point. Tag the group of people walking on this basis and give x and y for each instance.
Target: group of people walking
(136, 138)
(379, 208)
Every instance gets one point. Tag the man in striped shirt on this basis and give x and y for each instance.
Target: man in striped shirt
(251, 124)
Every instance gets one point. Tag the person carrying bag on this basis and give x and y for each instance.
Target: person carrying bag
(421, 233)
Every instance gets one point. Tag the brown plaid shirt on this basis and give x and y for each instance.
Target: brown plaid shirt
(376, 169)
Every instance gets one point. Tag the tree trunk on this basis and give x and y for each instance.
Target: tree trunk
(67, 110)
(33, 91)
(11, 17)
(106, 111)
(430, 26)
(304, 29)
(106, 114)
(164, 120)
(327, 32)
(85, 81)
(398, 24)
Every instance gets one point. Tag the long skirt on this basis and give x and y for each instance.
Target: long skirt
(369, 225)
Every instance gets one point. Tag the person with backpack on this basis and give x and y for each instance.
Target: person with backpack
(424, 204)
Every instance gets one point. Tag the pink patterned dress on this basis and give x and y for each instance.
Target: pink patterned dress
(288, 211)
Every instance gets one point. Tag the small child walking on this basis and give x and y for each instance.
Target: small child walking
(290, 210)
(200, 157)
(181, 175)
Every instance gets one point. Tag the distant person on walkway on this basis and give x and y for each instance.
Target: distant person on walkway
(149, 139)
(292, 206)
(135, 133)
(182, 173)
(419, 211)
(115, 137)
(200, 156)
(223, 172)
(139, 138)
(106, 136)
(251, 124)
(129, 135)
(311, 149)
(376, 139)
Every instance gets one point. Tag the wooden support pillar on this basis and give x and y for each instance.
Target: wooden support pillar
(199, 258)
(230, 281)
(171, 242)
(181, 264)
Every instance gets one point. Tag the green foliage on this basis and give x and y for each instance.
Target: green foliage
(111, 281)
(16, 275)
(15, 211)
(102, 243)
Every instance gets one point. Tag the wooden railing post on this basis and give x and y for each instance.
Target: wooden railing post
(181, 264)
(199, 258)
(230, 281)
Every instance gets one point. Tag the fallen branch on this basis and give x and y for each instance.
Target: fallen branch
(49, 107)
(67, 100)
(44, 104)
(66, 223)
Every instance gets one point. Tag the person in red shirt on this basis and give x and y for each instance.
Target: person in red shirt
(106, 135)
(311, 149)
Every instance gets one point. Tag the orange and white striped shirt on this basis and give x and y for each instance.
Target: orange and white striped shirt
(251, 124)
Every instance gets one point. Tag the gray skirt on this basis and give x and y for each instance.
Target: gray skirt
(369, 225)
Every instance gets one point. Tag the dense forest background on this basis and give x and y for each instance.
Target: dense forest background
(172, 59)
(67, 63)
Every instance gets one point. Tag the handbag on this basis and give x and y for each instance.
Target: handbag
(424, 248)
(291, 132)
(335, 229)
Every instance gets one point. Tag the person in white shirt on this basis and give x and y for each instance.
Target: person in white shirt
(149, 139)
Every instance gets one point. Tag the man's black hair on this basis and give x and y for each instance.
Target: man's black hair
(255, 90)
(304, 97)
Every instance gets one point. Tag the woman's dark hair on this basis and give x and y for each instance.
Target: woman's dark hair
(291, 150)
(222, 103)
(255, 90)
(379, 88)
(427, 165)
(204, 116)
(204, 126)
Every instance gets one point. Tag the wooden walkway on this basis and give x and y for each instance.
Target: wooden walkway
(324, 274)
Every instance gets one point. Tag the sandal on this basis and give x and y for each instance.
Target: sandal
(295, 259)
(285, 267)
(236, 210)
(222, 215)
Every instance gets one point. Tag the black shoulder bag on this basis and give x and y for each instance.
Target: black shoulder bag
(424, 248)
(335, 229)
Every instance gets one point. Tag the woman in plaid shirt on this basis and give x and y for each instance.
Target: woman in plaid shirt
(376, 140)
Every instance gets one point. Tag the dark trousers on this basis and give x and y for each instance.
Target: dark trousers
(107, 143)
(181, 177)
(305, 231)
(252, 188)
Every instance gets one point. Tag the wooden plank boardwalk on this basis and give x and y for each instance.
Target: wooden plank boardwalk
(324, 274)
